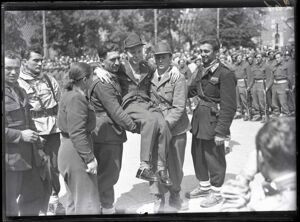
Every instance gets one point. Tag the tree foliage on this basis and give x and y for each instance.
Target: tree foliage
(74, 32)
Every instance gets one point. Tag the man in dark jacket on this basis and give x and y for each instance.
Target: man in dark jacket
(215, 86)
(111, 124)
(23, 162)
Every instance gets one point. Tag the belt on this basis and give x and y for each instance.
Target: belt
(280, 81)
(259, 80)
(241, 80)
(44, 112)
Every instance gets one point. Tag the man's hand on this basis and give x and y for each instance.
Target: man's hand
(103, 75)
(219, 140)
(174, 73)
(248, 89)
(29, 136)
(92, 167)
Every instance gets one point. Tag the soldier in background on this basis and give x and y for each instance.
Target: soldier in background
(43, 95)
(249, 65)
(240, 72)
(289, 58)
(258, 84)
(280, 83)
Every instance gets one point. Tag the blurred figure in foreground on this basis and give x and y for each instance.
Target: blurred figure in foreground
(273, 162)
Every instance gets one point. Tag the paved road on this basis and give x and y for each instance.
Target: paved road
(132, 194)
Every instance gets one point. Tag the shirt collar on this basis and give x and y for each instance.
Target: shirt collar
(27, 75)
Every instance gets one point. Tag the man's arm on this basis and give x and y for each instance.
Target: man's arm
(108, 97)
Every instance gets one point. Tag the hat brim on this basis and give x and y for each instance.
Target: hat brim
(131, 46)
(160, 53)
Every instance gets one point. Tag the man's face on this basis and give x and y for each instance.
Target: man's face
(163, 61)
(34, 63)
(250, 60)
(135, 54)
(258, 58)
(181, 63)
(278, 58)
(112, 62)
(207, 53)
(239, 59)
(12, 70)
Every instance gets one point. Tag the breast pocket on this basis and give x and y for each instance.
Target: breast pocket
(212, 89)
(169, 92)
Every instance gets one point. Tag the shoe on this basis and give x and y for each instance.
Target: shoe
(164, 178)
(256, 118)
(52, 206)
(196, 193)
(159, 203)
(111, 210)
(146, 174)
(60, 210)
(211, 200)
(176, 202)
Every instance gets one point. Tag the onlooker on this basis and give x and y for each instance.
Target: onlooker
(43, 96)
(275, 160)
(76, 160)
(23, 158)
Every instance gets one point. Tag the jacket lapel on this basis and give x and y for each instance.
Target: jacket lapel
(128, 71)
(165, 78)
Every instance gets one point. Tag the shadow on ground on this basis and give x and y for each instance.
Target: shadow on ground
(139, 196)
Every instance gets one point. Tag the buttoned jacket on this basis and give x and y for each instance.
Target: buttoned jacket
(218, 85)
(19, 155)
(170, 96)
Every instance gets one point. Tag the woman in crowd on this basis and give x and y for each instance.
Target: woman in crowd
(76, 160)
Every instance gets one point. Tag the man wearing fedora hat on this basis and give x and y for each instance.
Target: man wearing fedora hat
(170, 96)
(134, 77)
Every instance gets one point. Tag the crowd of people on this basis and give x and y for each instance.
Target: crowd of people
(69, 118)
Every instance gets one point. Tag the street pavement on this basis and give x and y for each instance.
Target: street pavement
(132, 194)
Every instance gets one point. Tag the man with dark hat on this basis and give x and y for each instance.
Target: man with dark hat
(135, 76)
(170, 97)
(215, 86)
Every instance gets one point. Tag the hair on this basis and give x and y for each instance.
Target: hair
(213, 42)
(276, 141)
(25, 53)
(75, 72)
(104, 49)
(11, 55)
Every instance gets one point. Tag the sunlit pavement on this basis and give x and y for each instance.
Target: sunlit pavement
(132, 194)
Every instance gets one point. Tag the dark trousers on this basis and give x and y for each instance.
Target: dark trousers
(280, 98)
(175, 162)
(82, 187)
(51, 185)
(153, 127)
(209, 161)
(29, 186)
(109, 157)
(258, 98)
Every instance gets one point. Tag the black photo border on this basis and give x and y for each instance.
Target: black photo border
(134, 4)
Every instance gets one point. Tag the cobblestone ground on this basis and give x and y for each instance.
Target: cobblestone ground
(132, 194)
